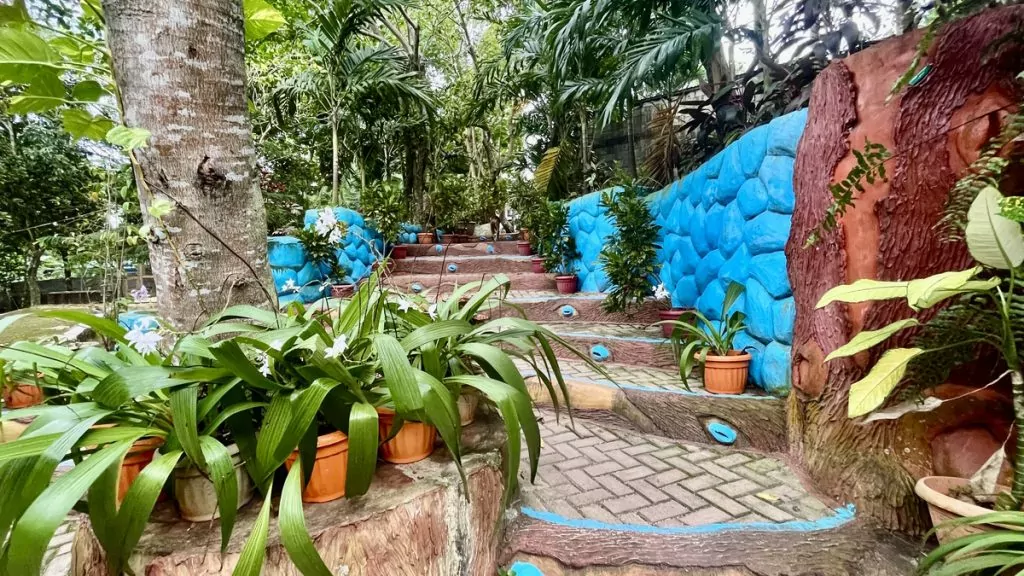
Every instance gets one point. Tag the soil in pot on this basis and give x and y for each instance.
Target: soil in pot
(414, 442)
(726, 374)
(673, 314)
(425, 238)
(935, 490)
(196, 496)
(468, 401)
(566, 284)
(343, 290)
(399, 252)
(138, 457)
(23, 396)
(524, 248)
(327, 480)
(537, 265)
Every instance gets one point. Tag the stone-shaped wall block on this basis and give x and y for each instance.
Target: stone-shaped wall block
(767, 232)
(589, 225)
(752, 198)
(775, 364)
(288, 267)
(759, 311)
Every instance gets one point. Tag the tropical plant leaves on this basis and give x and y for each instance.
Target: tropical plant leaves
(363, 431)
(81, 124)
(993, 239)
(128, 138)
(865, 339)
(294, 534)
(24, 55)
(926, 292)
(261, 19)
(871, 391)
(862, 291)
(250, 561)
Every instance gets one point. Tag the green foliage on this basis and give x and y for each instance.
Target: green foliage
(630, 257)
(383, 205)
(321, 248)
(556, 245)
(871, 168)
(995, 549)
(692, 340)
(450, 201)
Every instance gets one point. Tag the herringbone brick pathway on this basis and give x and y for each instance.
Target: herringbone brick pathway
(620, 476)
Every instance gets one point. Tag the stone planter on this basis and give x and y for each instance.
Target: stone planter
(138, 457)
(726, 374)
(343, 290)
(524, 248)
(196, 496)
(23, 396)
(673, 314)
(414, 442)
(537, 265)
(425, 238)
(942, 507)
(468, 402)
(566, 284)
(399, 252)
(327, 479)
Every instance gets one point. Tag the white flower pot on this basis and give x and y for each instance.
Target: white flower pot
(468, 402)
(196, 496)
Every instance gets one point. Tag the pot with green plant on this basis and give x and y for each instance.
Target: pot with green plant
(665, 309)
(629, 257)
(321, 241)
(560, 254)
(985, 309)
(383, 206)
(17, 394)
(702, 341)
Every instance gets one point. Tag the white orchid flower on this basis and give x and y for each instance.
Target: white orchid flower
(660, 292)
(432, 311)
(336, 236)
(264, 364)
(143, 342)
(326, 222)
(338, 348)
(404, 305)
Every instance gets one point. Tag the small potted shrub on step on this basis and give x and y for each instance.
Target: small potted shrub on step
(560, 252)
(384, 208)
(705, 342)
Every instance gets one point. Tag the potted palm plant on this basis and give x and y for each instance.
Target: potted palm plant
(986, 310)
(384, 207)
(559, 248)
(711, 344)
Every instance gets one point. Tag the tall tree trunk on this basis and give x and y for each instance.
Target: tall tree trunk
(35, 255)
(334, 160)
(180, 68)
(67, 270)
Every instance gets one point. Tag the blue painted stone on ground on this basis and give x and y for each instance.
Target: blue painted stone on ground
(737, 267)
(711, 299)
(708, 269)
(713, 223)
(599, 353)
(752, 198)
(759, 311)
(567, 311)
(775, 371)
(282, 276)
(784, 133)
(731, 236)
(285, 252)
(767, 232)
(684, 295)
(525, 569)
(285, 299)
(731, 176)
(309, 273)
(770, 270)
(746, 343)
(783, 318)
(777, 175)
(753, 147)
(700, 241)
(722, 433)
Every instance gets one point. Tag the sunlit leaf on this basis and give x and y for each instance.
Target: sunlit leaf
(261, 19)
(88, 91)
(23, 55)
(993, 239)
(871, 391)
(81, 124)
(128, 138)
(862, 291)
(868, 338)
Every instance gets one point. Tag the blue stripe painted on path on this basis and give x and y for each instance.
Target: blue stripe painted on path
(842, 516)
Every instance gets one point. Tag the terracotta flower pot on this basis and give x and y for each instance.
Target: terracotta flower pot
(447, 238)
(343, 290)
(673, 314)
(566, 284)
(524, 248)
(196, 496)
(942, 507)
(726, 374)
(138, 457)
(23, 396)
(399, 252)
(425, 237)
(414, 442)
(537, 265)
(327, 480)
(524, 234)
(468, 402)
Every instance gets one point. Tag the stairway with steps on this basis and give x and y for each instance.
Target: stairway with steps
(650, 476)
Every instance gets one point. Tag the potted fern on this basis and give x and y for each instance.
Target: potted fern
(711, 344)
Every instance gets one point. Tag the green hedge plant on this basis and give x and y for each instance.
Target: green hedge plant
(629, 258)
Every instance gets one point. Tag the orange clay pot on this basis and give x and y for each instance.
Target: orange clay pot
(138, 457)
(414, 442)
(327, 481)
(23, 396)
(726, 374)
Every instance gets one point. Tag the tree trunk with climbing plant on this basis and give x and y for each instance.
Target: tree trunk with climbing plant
(180, 69)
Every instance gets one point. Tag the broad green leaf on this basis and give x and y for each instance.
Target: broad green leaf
(81, 124)
(128, 138)
(138, 505)
(88, 91)
(871, 391)
(15, 13)
(103, 506)
(868, 338)
(230, 355)
(250, 561)
(993, 239)
(75, 49)
(398, 375)
(103, 326)
(435, 331)
(46, 92)
(864, 290)
(92, 10)
(261, 19)
(225, 484)
(441, 410)
(292, 524)
(32, 533)
(184, 403)
(927, 292)
(23, 55)
(132, 382)
(363, 436)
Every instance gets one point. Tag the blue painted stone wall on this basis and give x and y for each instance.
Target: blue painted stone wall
(728, 221)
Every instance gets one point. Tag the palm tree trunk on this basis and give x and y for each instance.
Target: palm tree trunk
(334, 160)
(35, 255)
(180, 68)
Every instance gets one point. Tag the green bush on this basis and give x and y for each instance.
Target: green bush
(451, 204)
(384, 207)
(630, 258)
(556, 244)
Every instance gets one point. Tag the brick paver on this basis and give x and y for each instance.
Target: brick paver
(635, 478)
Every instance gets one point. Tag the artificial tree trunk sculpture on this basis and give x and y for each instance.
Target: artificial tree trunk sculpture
(180, 70)
(933, 130)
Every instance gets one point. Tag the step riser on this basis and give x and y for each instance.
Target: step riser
(469, 249)
(448, 282)
(587, 309)
(623, 351)
(464, 266)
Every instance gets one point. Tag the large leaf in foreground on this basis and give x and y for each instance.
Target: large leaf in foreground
(993, 239)
(292, 523)
(865, 339)
(871, 391)
(862, 291)
(138, 507)
(250, 561)
(363, 432)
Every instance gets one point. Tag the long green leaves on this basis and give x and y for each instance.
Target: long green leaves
(363, 432)
(250, 561)
(294, 535)
(221, 468)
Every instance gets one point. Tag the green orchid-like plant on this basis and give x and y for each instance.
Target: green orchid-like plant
(693, 340)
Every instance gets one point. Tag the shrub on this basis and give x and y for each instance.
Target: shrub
(629, 259)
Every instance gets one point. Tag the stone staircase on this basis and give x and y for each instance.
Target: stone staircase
(649, 476)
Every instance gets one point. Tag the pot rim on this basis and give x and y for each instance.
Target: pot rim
(738, 357)
(937, 498)
(565, 276)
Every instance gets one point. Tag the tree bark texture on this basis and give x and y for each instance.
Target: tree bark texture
(933, 131)
(35, 255)
(180, 68)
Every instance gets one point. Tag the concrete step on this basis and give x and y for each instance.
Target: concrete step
(464, 249)
(461, 264)
(637, 344)
(448, 282)
(550, 306)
